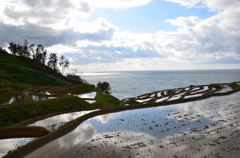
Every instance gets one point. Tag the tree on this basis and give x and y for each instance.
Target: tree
(40, 54)
(20, 50)
(63, 63)
(104, 87)
(52, 63)
(11, 47)
(15, 49)
(25, 48)
(32, 50)
(74, 77)
(44, 56)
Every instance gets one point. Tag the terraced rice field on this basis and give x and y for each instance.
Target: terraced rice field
(176, 94)
(204, 128)
(10, 98)
(14, 97)
(53, 123)
(7, 145)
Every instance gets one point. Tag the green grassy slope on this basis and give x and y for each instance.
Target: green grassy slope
(16, 69)
(23, 75)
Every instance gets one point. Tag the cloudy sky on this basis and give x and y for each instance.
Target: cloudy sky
(116, 35)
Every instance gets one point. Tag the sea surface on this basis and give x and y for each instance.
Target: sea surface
(127, 84)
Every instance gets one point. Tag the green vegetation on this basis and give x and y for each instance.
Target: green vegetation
(19, 69)
(215, 86)
(15, 113)
(104, 87)
(21, 74)
(234, 85)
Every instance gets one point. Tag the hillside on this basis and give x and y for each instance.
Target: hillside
(29, 89)
(20, 69)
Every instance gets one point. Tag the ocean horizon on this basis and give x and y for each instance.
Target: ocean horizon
(128, 84)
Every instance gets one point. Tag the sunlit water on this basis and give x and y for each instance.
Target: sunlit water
(205, 128)
(131, 84)
(87, 95)
(53, 123)
(7, 145)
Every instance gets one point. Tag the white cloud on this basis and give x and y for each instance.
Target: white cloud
(117, 3)
(56, 14)
(188, 3)
(60, 26)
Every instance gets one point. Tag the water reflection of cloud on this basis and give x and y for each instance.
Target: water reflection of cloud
(207, 128)
(12, 144)
(54, 122)
(67, 144)
(105, 118)
(87, 95)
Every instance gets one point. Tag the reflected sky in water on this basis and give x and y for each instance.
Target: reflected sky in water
(202, 128)
(10, 98)
(87, 95)
(41, 98)
(11, 144)
(53, 123)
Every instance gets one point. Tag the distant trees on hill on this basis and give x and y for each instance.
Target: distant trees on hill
(104, 87)
(39, 54)
(63, 63)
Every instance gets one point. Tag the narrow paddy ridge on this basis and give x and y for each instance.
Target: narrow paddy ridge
(204, 128)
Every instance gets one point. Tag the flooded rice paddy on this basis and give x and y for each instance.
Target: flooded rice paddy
(204, 128)
(88, 97)
(7, 145)
(179, 93)
(41, 98)
(53, 123)
(10, 98)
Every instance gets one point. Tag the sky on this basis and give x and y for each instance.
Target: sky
(128, 35)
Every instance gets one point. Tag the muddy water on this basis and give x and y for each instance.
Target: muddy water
(10, 98)
(7, 145)
(205, 128)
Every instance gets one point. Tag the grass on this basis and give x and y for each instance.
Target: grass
(16, 113)
(21, 74)
(234, 85)
(29, 109)
(15, 69)
(215, 86)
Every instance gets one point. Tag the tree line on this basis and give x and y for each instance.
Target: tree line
(39, 54)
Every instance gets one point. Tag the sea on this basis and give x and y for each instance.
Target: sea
(128, 84)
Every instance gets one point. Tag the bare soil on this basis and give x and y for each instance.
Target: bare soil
(21, 132)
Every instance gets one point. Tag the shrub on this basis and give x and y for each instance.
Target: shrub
(104, 87)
